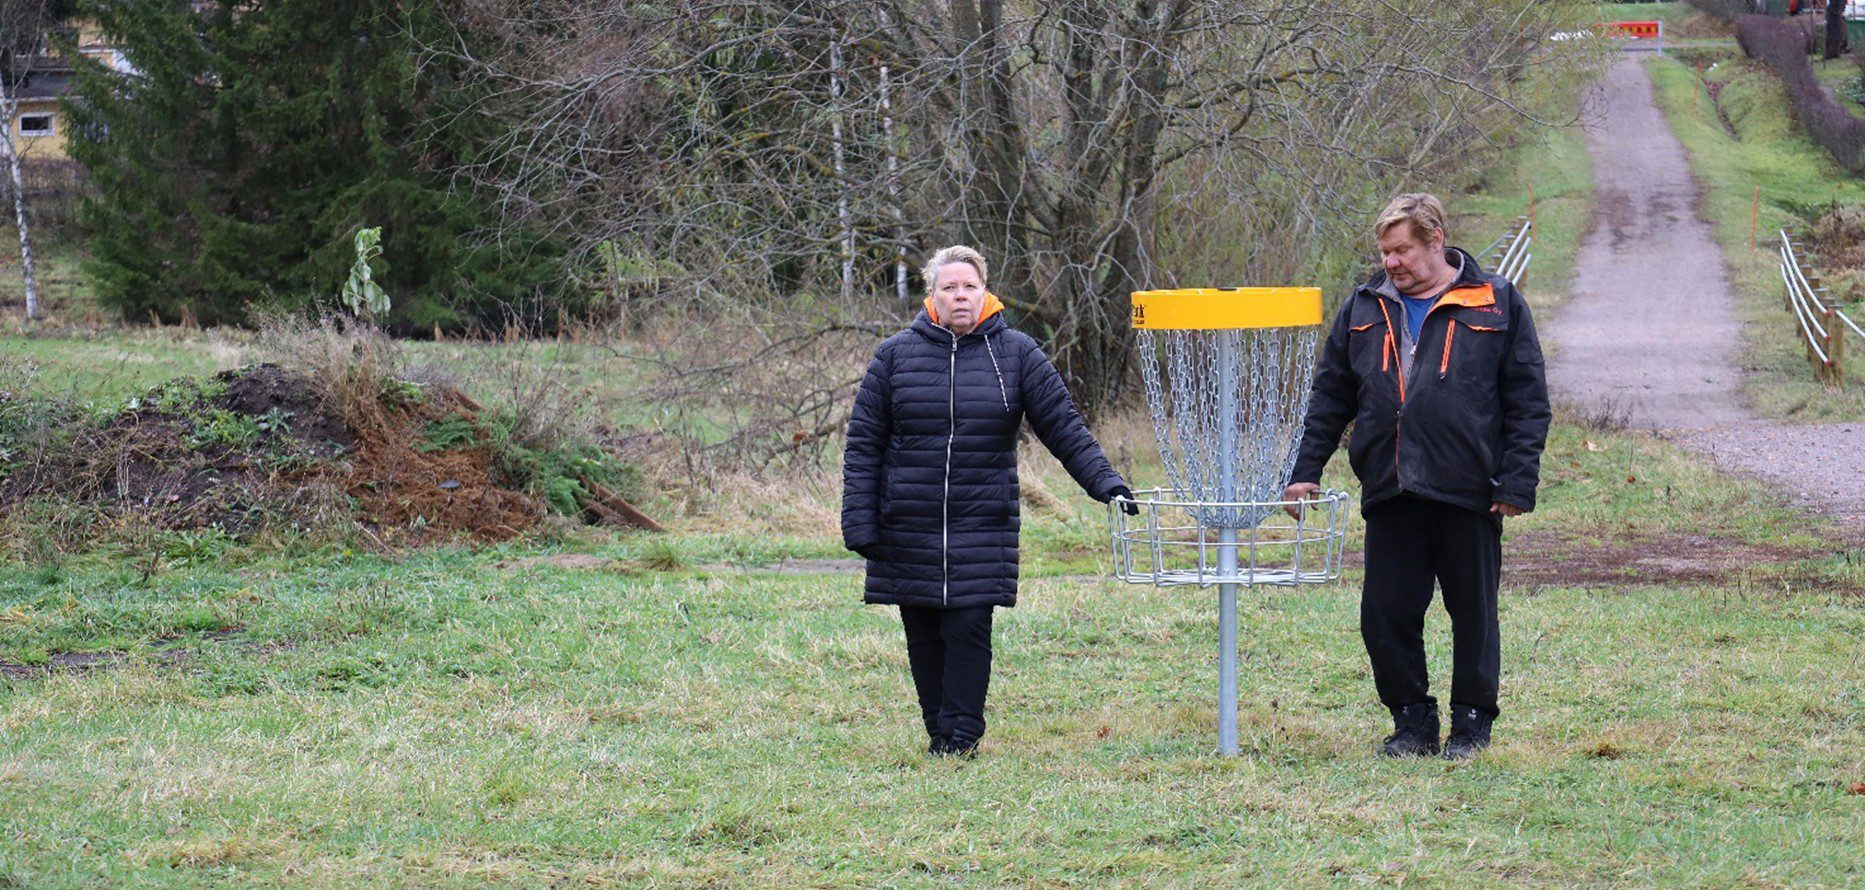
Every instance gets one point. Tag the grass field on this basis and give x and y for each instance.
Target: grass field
(689, 709)
(1797, 179)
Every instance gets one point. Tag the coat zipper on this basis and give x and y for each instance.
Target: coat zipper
(1398, 371)
(945, 499)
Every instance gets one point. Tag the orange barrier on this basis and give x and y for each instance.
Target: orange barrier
(1637, 30)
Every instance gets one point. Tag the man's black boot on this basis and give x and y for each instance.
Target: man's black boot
(1469, 732)
(1415, 731)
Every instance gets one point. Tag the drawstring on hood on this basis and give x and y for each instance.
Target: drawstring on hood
(1001, 390)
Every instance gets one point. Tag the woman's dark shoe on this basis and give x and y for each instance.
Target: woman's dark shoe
(1415, 731)
(1469, 733)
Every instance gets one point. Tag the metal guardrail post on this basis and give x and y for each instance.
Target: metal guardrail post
(1835, 345)
(1833, 373)
(1813, 290)
(1815, 314)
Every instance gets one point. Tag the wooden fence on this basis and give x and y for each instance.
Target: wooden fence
(1821, 321)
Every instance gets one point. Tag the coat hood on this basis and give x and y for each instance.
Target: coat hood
(1469, 275)
(992, 306)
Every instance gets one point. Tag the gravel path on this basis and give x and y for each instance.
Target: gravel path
(1650, 334)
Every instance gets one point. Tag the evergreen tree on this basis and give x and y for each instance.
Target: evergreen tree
(235, 165)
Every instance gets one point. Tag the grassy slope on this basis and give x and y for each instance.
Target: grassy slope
(1795, 177)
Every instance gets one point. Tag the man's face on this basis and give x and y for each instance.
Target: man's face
(958, 296)
(1413, 264)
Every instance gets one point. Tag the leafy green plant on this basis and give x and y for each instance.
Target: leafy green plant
(205, 546)
(560, 473)
(218, 426)
(365, 298)
(448, 433)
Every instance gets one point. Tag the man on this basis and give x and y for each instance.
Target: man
(1437, 366)
(929, 482)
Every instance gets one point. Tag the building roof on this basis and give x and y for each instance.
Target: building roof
(43, 85)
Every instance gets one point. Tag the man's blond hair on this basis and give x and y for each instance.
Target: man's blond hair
(1422, 210)
(945, 256)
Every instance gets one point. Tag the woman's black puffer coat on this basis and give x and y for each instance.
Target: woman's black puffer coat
(929, 487)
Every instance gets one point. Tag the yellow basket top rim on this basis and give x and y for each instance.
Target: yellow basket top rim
(1212, 308)
(1291, 290)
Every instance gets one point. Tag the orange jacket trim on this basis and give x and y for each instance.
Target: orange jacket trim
(992, 306)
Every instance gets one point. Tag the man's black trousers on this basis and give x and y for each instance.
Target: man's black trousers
(950, 652)
(1410, 542)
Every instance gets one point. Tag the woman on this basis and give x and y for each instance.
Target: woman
(929, 483)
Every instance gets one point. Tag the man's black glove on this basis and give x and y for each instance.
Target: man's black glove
(1125, 495)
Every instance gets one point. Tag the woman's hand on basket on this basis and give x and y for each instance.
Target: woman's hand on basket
(1125, 495)
(1298, 491)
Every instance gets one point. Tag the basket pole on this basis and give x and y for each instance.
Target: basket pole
(1227, 549)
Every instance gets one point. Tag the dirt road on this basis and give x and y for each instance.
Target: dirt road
(1650, 334)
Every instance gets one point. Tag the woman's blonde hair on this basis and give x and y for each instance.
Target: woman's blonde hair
(945, 256)
(1422, 210)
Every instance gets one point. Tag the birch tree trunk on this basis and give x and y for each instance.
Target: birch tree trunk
(9, 151)
(840, 150)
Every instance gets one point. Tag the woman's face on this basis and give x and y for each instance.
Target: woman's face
(958, 296)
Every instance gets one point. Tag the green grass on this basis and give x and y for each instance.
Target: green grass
(64, 295)
(114, 363)
(1841, 75)
(684, 714)
(1551, 164)
(1672, 14)
(1797, 180)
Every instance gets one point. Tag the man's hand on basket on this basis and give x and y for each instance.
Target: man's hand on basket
(1125, 495)
(1298, 491)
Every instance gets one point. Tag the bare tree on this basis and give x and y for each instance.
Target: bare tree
(1092, 147)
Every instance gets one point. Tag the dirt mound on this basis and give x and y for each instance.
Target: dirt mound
(266, 447)
(187, 455)
(263, 389)
(409, 486)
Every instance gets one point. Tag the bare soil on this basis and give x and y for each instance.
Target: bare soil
(1650, 336)
(312, 463)
(1562, 558)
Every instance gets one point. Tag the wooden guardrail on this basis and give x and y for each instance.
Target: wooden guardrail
(1822, 323)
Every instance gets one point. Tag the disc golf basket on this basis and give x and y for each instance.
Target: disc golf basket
(1227, 375)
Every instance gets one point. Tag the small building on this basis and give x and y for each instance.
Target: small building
(38, 128)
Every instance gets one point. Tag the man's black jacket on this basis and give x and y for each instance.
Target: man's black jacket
(1466, 427)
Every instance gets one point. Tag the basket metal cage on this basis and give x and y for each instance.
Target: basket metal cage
(1166, 546)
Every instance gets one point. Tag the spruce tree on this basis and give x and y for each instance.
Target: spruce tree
(235, 165)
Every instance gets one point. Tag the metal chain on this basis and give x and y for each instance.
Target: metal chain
(1244, 387)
